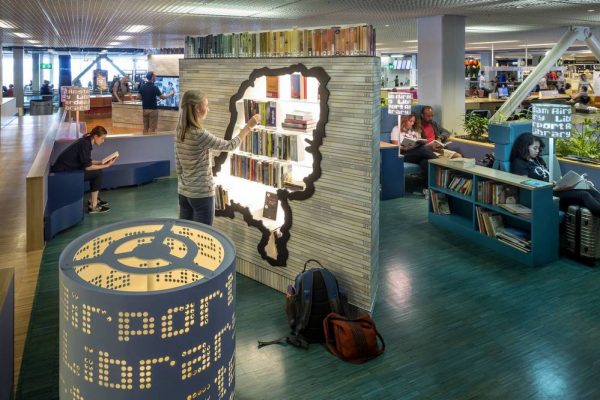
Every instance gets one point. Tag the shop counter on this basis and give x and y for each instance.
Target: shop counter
(129, 115)
(483, 103)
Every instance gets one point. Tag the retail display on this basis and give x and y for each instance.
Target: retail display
(495, 209)
(147, 310)
(320, 42)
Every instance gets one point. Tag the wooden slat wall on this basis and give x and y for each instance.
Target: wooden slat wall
(131, 116)
(339, 224)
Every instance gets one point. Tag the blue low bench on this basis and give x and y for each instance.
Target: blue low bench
(65, 204)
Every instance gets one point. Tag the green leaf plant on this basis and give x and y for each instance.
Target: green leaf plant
(584, 141)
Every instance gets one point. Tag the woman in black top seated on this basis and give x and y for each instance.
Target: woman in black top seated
(78, 156)
(525, 160)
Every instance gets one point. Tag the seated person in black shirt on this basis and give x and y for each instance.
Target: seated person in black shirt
(582, 97)
(78, 156)
(525, 160)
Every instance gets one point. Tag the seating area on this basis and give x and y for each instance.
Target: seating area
(66, 191)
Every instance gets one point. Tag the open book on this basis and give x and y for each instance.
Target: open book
(420, 142)
(571, 180)
(110, 157)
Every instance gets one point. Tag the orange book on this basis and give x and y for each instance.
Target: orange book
(273, 87)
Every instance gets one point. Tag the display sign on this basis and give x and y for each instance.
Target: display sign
(399, 103)
(76, 98)
(147, 311)
(551, 121)
(45, 66)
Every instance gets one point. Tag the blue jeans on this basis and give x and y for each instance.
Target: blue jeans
(199, 210)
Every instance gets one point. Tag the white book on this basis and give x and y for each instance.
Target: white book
(110, 157)
(571, 180)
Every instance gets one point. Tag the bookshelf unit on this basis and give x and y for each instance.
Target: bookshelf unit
(541, 226)
(332, 212)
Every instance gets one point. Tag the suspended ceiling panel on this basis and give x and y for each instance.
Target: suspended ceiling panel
(104, 23)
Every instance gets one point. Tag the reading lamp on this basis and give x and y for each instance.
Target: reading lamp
(147, 312)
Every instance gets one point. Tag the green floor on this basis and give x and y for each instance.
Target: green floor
(459, 322)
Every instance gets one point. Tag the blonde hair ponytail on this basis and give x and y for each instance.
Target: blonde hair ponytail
(187, 115)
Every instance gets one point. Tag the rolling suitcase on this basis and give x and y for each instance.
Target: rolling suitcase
(582, 234)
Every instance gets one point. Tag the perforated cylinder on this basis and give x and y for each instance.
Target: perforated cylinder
(147, 312)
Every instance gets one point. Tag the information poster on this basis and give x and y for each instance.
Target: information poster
(399, 103)
(76, 98)
(551, 121)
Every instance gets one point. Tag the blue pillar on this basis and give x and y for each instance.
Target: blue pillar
(64, 71)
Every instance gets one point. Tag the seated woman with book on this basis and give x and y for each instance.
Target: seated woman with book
(78, 156)
(414, 149)
(525, 160)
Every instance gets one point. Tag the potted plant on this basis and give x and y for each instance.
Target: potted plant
(476, 127)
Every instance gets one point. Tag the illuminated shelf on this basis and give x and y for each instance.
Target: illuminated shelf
(280, 100)
(276, 130)
(261, 157)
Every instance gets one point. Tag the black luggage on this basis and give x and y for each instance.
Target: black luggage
(582, 234)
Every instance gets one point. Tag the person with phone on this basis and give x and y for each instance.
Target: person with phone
(195, 186)
(78, 156)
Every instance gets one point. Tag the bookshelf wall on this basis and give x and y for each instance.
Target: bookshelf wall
(477, 202)
(338, 223)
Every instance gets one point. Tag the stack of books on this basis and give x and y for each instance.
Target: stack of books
(269, 143)
(439, 203)
(491, 192)
(319, 42)
(221, 198)
(515, 238)
(299, 121)
(488, 222)
(266, 171)
(518, 209)
(266, 109)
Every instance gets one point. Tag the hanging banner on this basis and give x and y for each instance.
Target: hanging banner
(399, 103)
(551, 120)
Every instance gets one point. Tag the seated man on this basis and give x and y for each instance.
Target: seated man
(431, 131)
(582, 97)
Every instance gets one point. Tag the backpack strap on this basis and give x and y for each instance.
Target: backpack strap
(306, 302)
(332, 291)
(308, 261)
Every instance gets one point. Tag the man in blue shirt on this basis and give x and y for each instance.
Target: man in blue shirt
(149, 92)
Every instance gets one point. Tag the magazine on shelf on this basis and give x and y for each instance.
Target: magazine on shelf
(110, 157)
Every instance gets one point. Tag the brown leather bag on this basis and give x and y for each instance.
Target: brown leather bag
(352, 340)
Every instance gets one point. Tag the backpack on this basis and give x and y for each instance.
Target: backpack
(352, 340)
(313, 296)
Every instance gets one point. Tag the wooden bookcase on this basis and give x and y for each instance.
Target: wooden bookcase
(542, 227)
(335, 218)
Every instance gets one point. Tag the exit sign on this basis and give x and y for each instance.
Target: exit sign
(45, 66)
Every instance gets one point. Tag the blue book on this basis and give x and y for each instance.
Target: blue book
(534, 183)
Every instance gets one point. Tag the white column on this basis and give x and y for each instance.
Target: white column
(441, 67)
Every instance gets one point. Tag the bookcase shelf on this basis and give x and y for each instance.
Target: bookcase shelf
(541, 228)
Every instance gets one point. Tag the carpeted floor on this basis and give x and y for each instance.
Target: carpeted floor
(459, 322)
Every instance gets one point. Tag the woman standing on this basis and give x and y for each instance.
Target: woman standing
(525, 160)
(192, 155)
(78, 156)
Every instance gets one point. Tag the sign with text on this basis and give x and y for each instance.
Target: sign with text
(551, 121)
(399, 103)
(77, 98)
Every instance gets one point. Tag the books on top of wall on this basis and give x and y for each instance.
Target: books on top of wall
(317, 42)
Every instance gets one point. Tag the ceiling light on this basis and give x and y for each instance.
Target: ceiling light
(114, 43)
(495, 28)
(6, 25)
(591, 10)
(123, 37)
(498, 41)
(387, 26)
(411, 41)
(519, 7)
(216, 11)
(21, 35)
(136, 28)
(33, 41)
(397, 55)
(536, 44)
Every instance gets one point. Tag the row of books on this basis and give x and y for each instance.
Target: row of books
(318, 42)
(491, 192)
(488, 222)
(491, 224)
(266, 109)
(269, 143)
(221, 198)
(269, 172)
(447, 178)
(298, 84)
(439, 203)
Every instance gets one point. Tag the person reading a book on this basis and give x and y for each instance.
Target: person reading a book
(415, 149)
(525, 160)
(435, 133)
(195, 185)
(78, 156)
